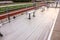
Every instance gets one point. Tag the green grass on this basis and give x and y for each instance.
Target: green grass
(10, 8)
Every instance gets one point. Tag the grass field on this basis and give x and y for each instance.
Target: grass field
(15, 7)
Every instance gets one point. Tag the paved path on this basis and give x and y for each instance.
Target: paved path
(56, 31)
(37, 28)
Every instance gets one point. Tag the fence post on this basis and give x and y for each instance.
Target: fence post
(34, 8)
(8, 17)
(29, 16)
(34, 14)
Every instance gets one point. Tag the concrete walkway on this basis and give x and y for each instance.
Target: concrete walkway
(56, 31)
(38, 28)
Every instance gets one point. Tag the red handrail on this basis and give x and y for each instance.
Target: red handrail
(15, 12)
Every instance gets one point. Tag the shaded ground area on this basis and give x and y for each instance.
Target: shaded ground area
(37, 28)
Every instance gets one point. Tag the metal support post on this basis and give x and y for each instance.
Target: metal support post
(34, 14)
(8, 18)
(29, 16)
(56, 4)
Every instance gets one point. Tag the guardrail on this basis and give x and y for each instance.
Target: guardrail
(9, 16)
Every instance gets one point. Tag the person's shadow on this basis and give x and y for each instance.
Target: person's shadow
(1, 35)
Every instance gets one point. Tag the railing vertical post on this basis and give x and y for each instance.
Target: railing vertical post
(29, 16)
(8, 16)
(34, 14)
(34, 4)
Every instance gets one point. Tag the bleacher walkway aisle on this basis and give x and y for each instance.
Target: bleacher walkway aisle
(38, 28)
